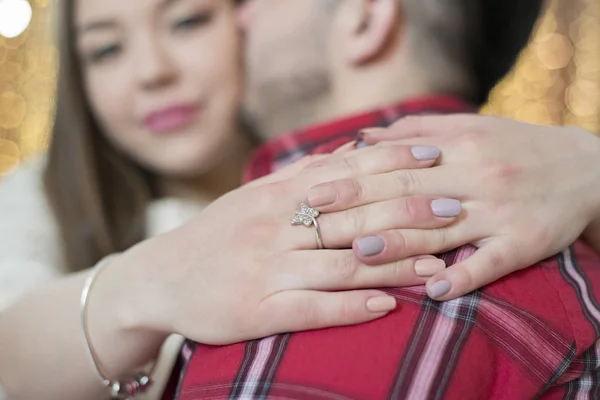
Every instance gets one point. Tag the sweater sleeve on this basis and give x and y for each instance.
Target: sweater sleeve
(30, 249)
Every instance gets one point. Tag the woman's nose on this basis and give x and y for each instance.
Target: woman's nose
(154, 67)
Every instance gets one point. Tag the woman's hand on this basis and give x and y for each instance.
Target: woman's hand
(527, 192)
(240, 270)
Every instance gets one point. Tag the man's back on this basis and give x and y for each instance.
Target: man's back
(528, 334)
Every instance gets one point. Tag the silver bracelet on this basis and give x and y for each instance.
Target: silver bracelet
(121, 390)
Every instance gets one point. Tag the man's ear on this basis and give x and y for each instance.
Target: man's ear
(375, 23)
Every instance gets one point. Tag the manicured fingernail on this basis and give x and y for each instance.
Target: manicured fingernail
(321, 195)
(361, 144)
(381, 304)
(446, 208)
(425, 153)
(369, 131)
(428, 267)
(439, 289)
(370, 245)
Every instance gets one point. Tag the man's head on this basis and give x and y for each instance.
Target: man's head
(313, 60)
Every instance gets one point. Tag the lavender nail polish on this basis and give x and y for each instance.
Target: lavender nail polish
(370, 246)
(439, 289)
(446, 208)
(425, 153)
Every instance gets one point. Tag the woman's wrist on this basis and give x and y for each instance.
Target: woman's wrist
(123, 343)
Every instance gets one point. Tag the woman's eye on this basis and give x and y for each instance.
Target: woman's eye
(194, 21)
(105, 53)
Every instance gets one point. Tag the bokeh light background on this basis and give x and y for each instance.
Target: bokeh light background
(556, 81)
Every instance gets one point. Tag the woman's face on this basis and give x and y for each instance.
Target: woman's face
(163, 78)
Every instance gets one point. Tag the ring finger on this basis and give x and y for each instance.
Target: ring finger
(339, 229)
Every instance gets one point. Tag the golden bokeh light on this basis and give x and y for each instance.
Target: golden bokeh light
(557, 78)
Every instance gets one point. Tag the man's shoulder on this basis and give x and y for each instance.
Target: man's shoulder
(534, 325)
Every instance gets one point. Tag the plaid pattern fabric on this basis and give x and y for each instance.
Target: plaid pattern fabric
(534, 334)
(325, 138)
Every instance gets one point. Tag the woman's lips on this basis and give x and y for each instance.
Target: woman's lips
(171, 119)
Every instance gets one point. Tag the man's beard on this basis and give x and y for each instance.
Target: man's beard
(288, 77)
(286, 97)
(278, 106)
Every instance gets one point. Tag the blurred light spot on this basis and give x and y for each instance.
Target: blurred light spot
(583, 99)
(15, 16)
(12, 110)
(554, 50)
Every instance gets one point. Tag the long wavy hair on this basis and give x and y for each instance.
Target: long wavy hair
(99, 196)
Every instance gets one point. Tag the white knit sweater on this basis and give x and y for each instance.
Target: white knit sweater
(30, 250)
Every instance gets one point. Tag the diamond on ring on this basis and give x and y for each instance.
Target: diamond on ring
(305, 216)
(308, 217)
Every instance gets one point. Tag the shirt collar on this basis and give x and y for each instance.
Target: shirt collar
(324, 138)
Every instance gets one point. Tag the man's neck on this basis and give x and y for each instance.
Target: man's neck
(295, 116)
(351, 94)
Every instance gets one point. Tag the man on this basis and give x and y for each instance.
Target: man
(317, 61)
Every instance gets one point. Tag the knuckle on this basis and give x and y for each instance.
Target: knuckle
(504, 172)
(398, 270)
(349, 192)
(355, 190)
(465, 282)
(496, 258)
(395, 157)
(355, 221)
(441, 240)
(345, 269)
(407, 181)
(346, 312)
(409, 209)
(499, 177)
(399, 242)
(339, 228)
(308, 313)
(349, 165)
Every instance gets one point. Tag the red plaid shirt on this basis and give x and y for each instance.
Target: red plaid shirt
(534, 334)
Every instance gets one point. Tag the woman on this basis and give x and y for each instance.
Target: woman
(148, 93)
(126, 131)
(104, 175)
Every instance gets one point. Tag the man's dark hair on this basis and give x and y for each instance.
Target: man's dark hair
(468, 46)
(507, 29)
